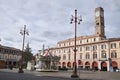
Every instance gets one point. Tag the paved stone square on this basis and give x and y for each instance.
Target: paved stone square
(6, 74)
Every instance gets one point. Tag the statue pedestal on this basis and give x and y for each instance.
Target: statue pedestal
(29, 66)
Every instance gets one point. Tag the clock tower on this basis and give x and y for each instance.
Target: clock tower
(99, 22)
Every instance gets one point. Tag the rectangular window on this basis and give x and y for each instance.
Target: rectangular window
(64, 44)
(81, 41)
(87, 48)
(68, 50)
(64, 57)
(113, 45)
(80, 48)
(113, 54)
(87, 40)
(54, 51)
(103, 46)
(64, 50)
(94, 39)
(103, 55)
(87, 56)
(69, 43)
(95, 55)
(94, 48)
(80, 55)
(59, 51)
(68, 56)
(59, 45)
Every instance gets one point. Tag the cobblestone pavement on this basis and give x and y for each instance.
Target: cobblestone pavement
(6, 74)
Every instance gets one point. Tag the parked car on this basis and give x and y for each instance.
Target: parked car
(117, 70)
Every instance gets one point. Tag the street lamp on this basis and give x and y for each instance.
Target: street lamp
(22, 32)
(76, 20)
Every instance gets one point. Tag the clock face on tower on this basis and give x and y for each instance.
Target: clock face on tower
(97, 13)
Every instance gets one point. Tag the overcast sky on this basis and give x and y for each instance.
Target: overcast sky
(48, 21)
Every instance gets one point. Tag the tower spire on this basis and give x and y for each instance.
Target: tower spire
(43, 49)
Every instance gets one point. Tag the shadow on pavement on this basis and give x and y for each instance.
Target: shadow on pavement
(26, 76)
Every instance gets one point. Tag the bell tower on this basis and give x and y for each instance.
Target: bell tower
(99, 22)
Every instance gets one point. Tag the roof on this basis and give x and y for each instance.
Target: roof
(12, 48)
(113, 39)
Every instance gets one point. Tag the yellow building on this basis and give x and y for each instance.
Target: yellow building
(9, 56)
(93, 52)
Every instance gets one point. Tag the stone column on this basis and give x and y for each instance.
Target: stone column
(99, 65)
(108, 65)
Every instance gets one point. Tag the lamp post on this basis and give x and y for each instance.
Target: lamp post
(76, 20)
(22, 32)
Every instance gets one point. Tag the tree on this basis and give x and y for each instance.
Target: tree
(27, 56)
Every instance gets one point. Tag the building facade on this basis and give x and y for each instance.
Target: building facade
(93, 52)
(9, 56)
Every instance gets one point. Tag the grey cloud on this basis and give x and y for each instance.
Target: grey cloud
(56, 35)
(9, 39)
(66, 34)
(48, 21)
(49, 34)
(39, 40)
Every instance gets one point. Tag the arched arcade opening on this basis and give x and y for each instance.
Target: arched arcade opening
(114, 65)
(103, 66)
(87, 65)
(80, 64)
(63, 65)
(69, 64)
(95, 65)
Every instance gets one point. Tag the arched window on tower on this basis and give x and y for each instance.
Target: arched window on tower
(97, 23)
